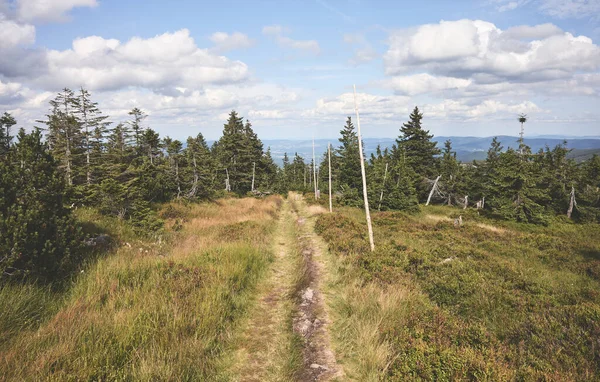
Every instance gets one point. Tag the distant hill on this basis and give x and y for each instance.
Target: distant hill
(467, 148)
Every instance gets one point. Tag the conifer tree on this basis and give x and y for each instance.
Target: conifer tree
(201, 166)
(94, 126)
(414, 143)
(349, 173)
(64, 134)
(7, 121)
(136, 127)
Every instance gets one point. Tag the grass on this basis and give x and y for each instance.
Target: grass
(160, 309)
(487, 301)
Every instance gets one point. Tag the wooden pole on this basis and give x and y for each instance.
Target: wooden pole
(330, 200)
(314, 169)
(253, 172)
(432, 189)
(382, 187)
(364, 177)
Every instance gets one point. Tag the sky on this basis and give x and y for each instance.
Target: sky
(289, 66)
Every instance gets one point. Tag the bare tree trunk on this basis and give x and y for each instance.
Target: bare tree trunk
(227, 185)
(177, 179)
(253, 172)
(466, 202)
(572, 203)
(315, 170)
(329, 156)
(382, 187)
(68, 155)
(364, 177)
(432, 190)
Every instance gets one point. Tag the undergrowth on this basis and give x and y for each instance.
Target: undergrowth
(479, 302)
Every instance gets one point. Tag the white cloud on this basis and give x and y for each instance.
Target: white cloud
(532, 32)
(225, 42)
(163, 61)
(278, 32)
(426, 83)
(466, 48)
(376, 109)
(49, 10)
(561, 9)
(13, 34)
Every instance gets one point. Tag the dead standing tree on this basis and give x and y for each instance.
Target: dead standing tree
(434, 190)
(572, 203)
(364, 178)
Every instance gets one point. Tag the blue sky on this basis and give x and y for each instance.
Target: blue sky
(289, 66)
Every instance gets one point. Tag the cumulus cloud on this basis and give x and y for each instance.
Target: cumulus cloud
(466, 48)
(225, 42)
(49, 10)
(13, 34)
(167, 60)
(426, 83)
(279, 34)
(376, 109)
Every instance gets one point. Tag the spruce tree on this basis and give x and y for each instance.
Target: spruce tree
(201, 167)
(348, 158)
(64, 134)
(415, 144)
(94, 126)
(7, 121)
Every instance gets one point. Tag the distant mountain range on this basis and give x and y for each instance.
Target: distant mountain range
(467, 148)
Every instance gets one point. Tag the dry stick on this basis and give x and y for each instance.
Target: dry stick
(433, 189)
(329, 155)
(253, 171)
(364, 177)
(572, 203)
(314, 169)
(382, 187)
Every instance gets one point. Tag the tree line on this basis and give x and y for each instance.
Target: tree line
(511, 184)
(77, 157)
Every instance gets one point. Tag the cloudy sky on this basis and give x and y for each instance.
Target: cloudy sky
(289, 66)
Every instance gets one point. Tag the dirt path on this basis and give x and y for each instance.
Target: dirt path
(285, 337)
(312, 319)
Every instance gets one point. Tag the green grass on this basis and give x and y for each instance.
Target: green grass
(149, 310)
(484, 302)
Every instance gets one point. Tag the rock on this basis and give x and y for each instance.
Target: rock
(308, 294)
(317, 366)
(102, 241)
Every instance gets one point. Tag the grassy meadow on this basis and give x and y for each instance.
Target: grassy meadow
(487, 301)
(151, 309)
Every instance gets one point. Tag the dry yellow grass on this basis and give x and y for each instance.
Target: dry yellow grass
(155, 310)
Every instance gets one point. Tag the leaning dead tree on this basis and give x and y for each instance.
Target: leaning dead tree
(434, 190)
(364, 177)
(572, 203)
